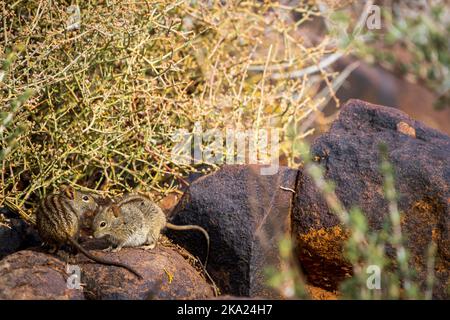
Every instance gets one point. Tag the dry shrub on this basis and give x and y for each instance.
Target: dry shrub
(109, 93)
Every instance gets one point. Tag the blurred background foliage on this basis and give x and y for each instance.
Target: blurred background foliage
(413, 41)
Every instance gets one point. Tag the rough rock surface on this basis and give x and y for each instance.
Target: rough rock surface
(35, 275)
(167, 275)
(245, 214)
(316, 293)
(349, 152)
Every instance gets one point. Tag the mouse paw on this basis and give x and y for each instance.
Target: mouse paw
(116, 249)
(149, 246)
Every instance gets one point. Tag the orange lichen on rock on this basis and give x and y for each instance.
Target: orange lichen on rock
(317, 293)
(405, 128)
(424, 212)
(327, 242)
(321, 250)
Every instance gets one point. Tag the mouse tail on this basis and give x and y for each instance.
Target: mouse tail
(101, 260)
(192, 227)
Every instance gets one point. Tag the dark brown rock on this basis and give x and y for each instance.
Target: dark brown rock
(349, 152)
(35, 275)
(245, 214)
(167, 275)
(16, 234)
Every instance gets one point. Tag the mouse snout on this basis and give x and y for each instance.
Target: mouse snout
(98, 234)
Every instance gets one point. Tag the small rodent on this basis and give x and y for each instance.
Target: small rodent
(135, 221)
(58, 221)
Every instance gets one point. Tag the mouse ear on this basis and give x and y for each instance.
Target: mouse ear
(68, 191)
(115, 210)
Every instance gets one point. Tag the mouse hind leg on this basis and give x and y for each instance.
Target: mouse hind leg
(149, 246)
(117, 248)
(152, 240)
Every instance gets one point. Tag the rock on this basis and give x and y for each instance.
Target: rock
(350, 156)
(16, 234)
(167, 275)
(241, 298)
(245, 214)
(35, 275)
(320, 294)
(168, 203)
(375, 84)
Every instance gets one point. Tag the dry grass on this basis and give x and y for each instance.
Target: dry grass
(108, 96)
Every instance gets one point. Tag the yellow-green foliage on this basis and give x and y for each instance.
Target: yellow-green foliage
(108, 93)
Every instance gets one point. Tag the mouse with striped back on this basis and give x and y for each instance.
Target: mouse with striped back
(136, 221)
(58, 220)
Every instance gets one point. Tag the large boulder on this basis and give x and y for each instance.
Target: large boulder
(167, 275)
(33, 275)
(246, 214)
(350, 155)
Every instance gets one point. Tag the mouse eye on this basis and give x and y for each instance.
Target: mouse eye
(102, 224)
(85, 198)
